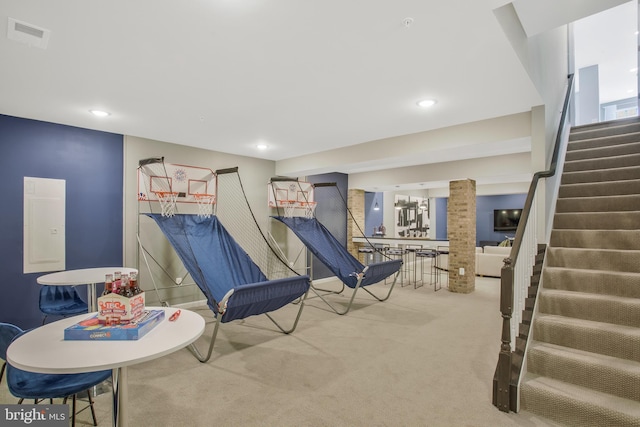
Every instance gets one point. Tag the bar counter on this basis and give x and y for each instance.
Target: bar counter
(402, 241)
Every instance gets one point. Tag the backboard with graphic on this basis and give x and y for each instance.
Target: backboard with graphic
(285, 192)
(295, 197)
(157, 177)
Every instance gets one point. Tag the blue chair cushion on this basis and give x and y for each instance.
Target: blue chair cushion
(7, 333)
(61, 300)
(31, 385)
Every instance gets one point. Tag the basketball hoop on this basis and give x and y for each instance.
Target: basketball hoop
(167, 201)
(309, 208)
(205, 204)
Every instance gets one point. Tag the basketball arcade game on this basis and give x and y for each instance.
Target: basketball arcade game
(290, 197)
(324, 246)
(169, 188)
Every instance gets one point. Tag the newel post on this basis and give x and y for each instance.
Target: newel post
(504, 359)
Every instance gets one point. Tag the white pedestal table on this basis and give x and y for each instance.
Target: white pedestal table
(45, 350)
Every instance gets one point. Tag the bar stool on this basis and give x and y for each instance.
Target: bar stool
(368, 254)
(399, 253)
(441, 250)
(380, 249)
(412, 262)
(427, 254)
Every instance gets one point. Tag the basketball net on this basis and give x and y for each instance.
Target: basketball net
(205, 204)
(167, 201)
(289, 208)
(309, 209)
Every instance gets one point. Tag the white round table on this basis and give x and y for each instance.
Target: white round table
(44, 350)
(83, 276)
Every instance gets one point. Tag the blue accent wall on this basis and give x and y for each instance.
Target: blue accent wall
(331, 211)
(441, 219)
(372, 218)
(484, 215)
(91, 163)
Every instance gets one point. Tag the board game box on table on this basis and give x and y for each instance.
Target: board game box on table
(92, 328)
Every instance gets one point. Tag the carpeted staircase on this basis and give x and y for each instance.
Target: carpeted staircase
(583, 362)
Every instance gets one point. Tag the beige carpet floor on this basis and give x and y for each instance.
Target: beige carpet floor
(422, 358)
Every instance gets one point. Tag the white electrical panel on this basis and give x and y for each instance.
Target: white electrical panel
(44, 224)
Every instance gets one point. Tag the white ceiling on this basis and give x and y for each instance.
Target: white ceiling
(303, 77)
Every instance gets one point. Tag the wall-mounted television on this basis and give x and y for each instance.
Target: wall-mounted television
(506, 219)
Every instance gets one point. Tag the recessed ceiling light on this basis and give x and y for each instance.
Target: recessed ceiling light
(99, 113)
(262, 146)
(426, 103)
(633, 70)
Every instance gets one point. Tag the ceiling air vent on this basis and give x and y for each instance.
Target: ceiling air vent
(27, 33)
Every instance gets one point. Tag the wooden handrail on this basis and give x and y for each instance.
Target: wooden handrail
(515, 249)
(505, 394)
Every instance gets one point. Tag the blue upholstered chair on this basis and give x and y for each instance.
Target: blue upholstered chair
(7, 333)
(61, 301)
(31, 385)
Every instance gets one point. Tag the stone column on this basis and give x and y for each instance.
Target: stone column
(355, 203)
(461, 226)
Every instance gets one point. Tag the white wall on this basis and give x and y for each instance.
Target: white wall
(549, 68)
(545, 56)
(500, 135)
(516, 167)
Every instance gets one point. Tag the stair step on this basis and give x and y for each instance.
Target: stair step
(605, 374)
(626, 202)
(535, 275)
(523, 330)
(535, 278)
(606, 188)
(595, 337)
(594, 259)
(592, 281)
(604, 141)
(604, 163)
(529, 303)
(600, 175)
(602, 152)
(572, 405)
(597, 220)
(595, 307)
(599, 130)
(595, 239)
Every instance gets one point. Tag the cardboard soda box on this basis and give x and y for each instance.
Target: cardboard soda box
(115, 309)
